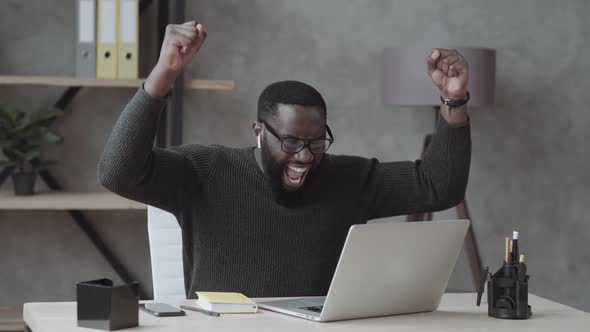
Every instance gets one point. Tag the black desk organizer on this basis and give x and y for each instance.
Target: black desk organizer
(106, 307)
(507, 292)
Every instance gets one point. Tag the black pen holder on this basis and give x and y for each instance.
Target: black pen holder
(508, 293)
(106, 307)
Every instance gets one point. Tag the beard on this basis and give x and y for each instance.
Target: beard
(272, 168)
(274, 171)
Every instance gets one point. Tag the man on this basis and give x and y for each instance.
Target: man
(272, 220)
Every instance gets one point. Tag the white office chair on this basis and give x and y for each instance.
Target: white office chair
(165, 254)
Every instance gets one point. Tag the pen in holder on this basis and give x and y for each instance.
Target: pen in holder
(507, 288)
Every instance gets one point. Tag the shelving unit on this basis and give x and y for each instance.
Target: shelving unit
(11, 319)
(110, 83)
(169, 133)
(59, 200)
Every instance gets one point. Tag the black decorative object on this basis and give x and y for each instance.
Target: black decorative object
(106, 307)
(508, 294)
(507, 288)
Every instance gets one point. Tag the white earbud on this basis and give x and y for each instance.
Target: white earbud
(258, 141)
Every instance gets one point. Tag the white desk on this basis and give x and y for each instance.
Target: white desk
(456, 313)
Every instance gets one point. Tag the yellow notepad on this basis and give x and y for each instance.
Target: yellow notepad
(226, 302)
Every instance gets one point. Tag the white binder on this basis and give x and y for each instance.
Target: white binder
(86, 38)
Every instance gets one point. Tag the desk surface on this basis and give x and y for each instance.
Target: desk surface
(456, 313)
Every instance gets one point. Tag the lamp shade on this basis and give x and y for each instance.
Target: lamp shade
(406, 81)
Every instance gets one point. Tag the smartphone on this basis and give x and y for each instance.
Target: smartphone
(161, 309)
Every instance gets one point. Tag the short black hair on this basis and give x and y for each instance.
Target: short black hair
(288, 92)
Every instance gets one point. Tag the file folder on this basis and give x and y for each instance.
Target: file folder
(128, 38)
(86, 38)
(106, 55)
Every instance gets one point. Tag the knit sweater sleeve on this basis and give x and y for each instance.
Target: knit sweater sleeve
(132, 167)
(435, 183)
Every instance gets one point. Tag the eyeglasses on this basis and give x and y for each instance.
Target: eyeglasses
(294, 145)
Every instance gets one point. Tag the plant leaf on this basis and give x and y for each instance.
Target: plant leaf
(6, 143)
(9, 112)
(31, 155)
(53, 136)
(5, 125)
(11, 154)
(6, 163)
(44, 117)
(22, 134)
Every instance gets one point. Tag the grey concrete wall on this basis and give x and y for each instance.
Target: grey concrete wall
(529, 152)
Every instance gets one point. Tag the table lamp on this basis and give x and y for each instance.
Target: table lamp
(406, 83)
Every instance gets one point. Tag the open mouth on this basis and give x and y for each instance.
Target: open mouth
(294, 175)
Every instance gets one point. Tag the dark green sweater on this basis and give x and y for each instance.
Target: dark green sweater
(238, 234)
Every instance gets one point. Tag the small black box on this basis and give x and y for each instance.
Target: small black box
(102, 306)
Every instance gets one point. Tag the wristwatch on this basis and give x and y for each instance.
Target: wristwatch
(450, 103)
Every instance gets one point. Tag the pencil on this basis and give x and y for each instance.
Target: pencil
(507, 250)
(206, 312)
(521, 269)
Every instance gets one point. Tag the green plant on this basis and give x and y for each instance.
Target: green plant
(22, 135)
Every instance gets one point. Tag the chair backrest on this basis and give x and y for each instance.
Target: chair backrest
(165, 254)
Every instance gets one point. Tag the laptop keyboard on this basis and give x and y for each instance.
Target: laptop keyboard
(315, 308)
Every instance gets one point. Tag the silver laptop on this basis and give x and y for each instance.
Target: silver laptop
(385, 269)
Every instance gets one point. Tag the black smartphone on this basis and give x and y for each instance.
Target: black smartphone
(161, 309)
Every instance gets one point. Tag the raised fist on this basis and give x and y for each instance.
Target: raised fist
(449, 72)
(181, 43)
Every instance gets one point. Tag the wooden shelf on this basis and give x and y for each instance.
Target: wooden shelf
(11, 319)
(93, 82)
(67, 201)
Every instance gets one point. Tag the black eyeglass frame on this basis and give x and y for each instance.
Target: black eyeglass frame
(306, 143)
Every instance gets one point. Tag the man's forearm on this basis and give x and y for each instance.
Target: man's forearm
(456, 116)
(159, 81)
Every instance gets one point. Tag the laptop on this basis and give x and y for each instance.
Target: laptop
(385, 268)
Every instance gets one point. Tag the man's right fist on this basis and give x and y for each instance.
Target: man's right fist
(181, 43)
